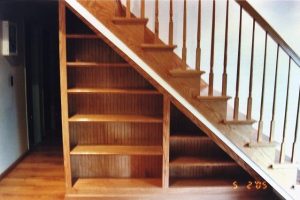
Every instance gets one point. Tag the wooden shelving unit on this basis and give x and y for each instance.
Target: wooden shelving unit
(119, 132)
(114, 132)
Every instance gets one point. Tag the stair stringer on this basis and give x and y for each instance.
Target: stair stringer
(228, 138)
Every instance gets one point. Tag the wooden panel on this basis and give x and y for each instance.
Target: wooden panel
(75, 25)
(181, 124)
(116, 104)
(115, 133)
(115, 118)
(166, 141)
(63, 91)
(106, 78)
(116, 166)
(92, 50)
(194, 161)
(207, 170)
(194, 146)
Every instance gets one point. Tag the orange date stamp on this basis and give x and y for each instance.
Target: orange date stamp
(251, 185)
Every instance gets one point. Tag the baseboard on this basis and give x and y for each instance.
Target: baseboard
(13, 165)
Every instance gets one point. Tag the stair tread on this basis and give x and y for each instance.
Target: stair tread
(200, 161)
(112, 90)
(185, 72)
(115, 150)
(96, 64)
(115, 118)
(242, 120)
(213, 98)
(98, 183)
(131, 20)
(239, 122)
(158, 46)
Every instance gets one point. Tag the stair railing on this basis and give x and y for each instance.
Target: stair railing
(262, 139)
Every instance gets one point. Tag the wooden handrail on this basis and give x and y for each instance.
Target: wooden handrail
(271, 32)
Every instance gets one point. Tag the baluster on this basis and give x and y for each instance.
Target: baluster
(224, 76)
(142, 9)
(260, 123)
(272, 125)
(212, 50)
(294, 154)
(128, 9)
(237, 87)
(282, 149)
(249, 101)
(118, 8)
(184, 35)
(171, 24)
(156, 28)
(198, 50)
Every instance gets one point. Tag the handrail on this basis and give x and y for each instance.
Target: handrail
(268, 28)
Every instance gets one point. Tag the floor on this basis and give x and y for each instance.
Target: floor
(40, 175)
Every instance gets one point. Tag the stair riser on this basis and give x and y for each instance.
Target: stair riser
(218, 108)
(138, 30)
(227, 171)
(191, 85)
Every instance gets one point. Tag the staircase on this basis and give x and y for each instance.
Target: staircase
(140, 123)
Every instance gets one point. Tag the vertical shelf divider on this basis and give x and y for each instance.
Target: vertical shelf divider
(64, 93)
(166, 141)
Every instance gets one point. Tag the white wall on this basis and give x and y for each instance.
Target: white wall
(13, 127)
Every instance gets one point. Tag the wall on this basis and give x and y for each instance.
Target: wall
(13, 126)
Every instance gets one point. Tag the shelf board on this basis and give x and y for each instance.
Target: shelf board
(101, 183)
(192, 161)
(179, 136)
(115, 118)
(200, 182)
(82, 36)
(116, 150)
(111, 91)
(96, 64)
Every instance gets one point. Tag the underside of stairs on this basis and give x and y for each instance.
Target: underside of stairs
(138, 125)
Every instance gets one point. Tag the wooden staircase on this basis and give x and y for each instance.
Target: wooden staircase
(139, 123)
